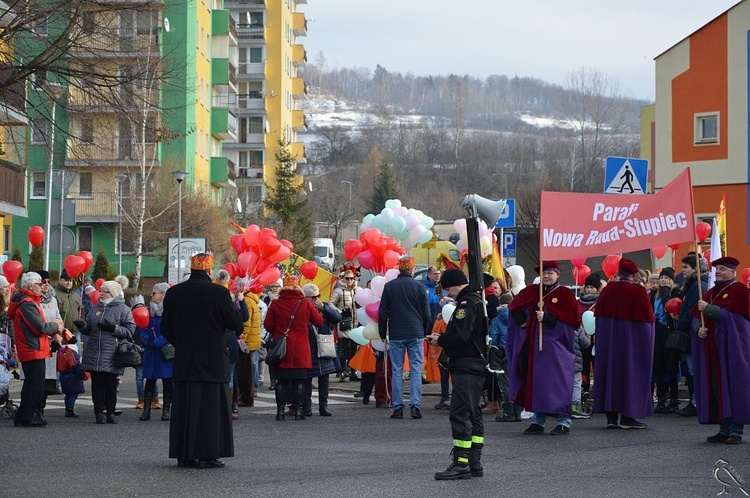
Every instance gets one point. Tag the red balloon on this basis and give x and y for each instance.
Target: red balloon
(390, 259)
(238, 243)
(36, 235)
(89, 258)
(246, 263)
(287, 244)
(581, 273)
(141, 317)
(610, 264)
(280, 255)
(256, 287)
(309, 270)
(659, 252)
(99, 282)
(707, 257)
(12, 270)
(673, 305)
(352, 248)
(366, 259)
(252, 235)
(261, 266)
(378, 247)
(266, 233)
(702, 231)
(372, 310)
(674, 247)
(372, 235)
(578, 261)
(745, 275)
(74, 265)
(269, 276)
(231, 269)
(269, 246)
(94, 296)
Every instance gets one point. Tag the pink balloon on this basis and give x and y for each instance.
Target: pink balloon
(269, 276)
(252, 235)
(372, 310)
(391, 274)
(366, 259)
(280, 255)
(364, 297)
(390, 258)
(246, 263)
(238, 243)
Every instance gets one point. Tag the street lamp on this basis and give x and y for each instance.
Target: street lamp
(55, 91)
(179, 175)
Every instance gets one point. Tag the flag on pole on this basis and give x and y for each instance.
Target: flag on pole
(716, 251)
(721, 222)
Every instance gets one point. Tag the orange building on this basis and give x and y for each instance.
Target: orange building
(700, 121)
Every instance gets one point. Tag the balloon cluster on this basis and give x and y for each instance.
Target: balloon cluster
(374, 250)
(611, 264)
(486, 237)
(408, 226)
(259, 251)
(580, 271)
(367, 314)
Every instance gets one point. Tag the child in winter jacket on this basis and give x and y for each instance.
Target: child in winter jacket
(71, 380)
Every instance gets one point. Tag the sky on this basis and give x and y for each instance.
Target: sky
(545, 39)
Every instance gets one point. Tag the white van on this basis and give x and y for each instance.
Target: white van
(324, 253)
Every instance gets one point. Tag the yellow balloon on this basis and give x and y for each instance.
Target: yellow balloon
(371, 331)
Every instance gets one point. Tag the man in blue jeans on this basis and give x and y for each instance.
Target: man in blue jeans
(405, 317)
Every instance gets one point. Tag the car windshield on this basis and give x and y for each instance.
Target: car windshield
(321, 251)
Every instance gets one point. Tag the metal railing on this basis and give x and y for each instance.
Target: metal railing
(12, 184)
(251, 32)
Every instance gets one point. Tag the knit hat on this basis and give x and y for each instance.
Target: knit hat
(114, 289)
(452, 278)
(594, 281)
(88, 289)
(487, 279)
(161, 287)
(667, 272)
(3, 282)
(44, 274)
(64, 275)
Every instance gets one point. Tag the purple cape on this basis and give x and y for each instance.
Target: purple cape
(623, 367)
(546, 387)
(731, 370)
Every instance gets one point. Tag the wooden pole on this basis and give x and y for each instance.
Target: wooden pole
(700, 287)
(541, 300)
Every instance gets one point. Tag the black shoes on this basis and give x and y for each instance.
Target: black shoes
(359, 394)
(383, 405)
(324, 412)
(734, 440)
(279, 414)
(213, 463)
(560, 430)
(307, 412)
(71, 413)
(631, 423)
(688, 411)
(101, 418)
(398, 413)
(111, 419)
(366, 400)
(415, 413)
(612, 420)
(534, 429)
(441, 404)
(718, 438)
(186, 463)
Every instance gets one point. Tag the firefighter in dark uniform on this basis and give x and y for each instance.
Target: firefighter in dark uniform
(464, 342)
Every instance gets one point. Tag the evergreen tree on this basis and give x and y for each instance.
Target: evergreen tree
(288, 202)
(101, 266)
(16, 254)
(36, 259)
(385, 187)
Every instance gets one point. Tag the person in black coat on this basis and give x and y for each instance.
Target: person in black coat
(196, 315)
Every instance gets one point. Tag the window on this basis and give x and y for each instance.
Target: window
(254, 194)
(87, 131)
(38, 185)
(38, 130)
(85, 185)
(85, 238)
(88, 22)
(255, 124)
(256, 54)
(707, 128)
(152, 128)
(41, 28)
(40, 77)
(256, 18)
(6, 238)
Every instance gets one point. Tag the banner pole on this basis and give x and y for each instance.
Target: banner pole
(541, 299)
(700, 287)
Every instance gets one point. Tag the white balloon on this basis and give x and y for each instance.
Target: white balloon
(371, 332)
(427, 222)
(377, 284)
(426, 237)
(485, 246)
(364, 297)
(400, 211)
(411, 221)
(378, 345)
(460, 225)
(362, 317)
(461, 245)
(448, 309)
(391, 274)
(589, 322)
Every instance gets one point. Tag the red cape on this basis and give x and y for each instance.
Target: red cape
(560, 303)
(624, 300)
(734, 298)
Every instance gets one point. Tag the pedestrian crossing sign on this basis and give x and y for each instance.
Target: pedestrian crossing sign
(624, 175)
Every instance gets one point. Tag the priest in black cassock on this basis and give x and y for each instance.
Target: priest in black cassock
(196, 315)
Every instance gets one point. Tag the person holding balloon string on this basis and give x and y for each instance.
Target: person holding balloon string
(343, 298)
(666, 361)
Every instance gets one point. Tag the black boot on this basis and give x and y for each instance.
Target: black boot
(459, 469)
(101, 418)
(673, 406)
(661, 406)
(280, 391)
(71, 413)
(507, 414)
(323, 396)
(299, 400)
(517, 409)
(475, 460)
(166, 407)
(148, 398)
(111, 418)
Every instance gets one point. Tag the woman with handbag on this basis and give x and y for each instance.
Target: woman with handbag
(108, 322)
(158, 356)
(322, 351)
(343, 299)
(287, 321)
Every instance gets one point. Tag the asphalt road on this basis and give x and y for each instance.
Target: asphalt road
(358, 452)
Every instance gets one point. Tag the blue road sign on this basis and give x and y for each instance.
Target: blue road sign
(625, 175)
(509, 244)
(508, 216)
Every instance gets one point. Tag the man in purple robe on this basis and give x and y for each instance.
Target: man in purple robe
(541, 379)
(624, 351)
(721, 354)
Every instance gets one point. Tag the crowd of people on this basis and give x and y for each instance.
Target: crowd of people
(207, 338)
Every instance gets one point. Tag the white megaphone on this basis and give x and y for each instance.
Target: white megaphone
(484, 209)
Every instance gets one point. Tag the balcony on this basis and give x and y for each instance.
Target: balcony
(223, 123)
(224, 101)
(251, 103)
(13, 102)
(251, 70)
(99, 207)
(12, 188)
(223, 172)
(299, 88)
(113, 44)
(108, 152)
(299, 122)
(251, 32)
(8, 12)
(298, 152)
(223, 72)
(112, 100)
(247, 171)
(299, 24)
(237, 4)
(299, 55)
(222, 24)
(251, 137)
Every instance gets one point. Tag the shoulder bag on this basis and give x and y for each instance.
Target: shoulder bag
(677, 341)
(166, 351)
(277, 347)
(127, 353)
(326, 345)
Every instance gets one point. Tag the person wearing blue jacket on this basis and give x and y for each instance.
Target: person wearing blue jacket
(154, 365)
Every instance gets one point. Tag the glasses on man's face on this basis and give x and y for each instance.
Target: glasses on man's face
(315, 297)
(36, 283)
(155, 293)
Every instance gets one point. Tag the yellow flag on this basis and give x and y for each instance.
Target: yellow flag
(721, 224)
(496, 264)
(325, 280)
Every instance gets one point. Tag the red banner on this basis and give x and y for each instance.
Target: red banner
(574, 225)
